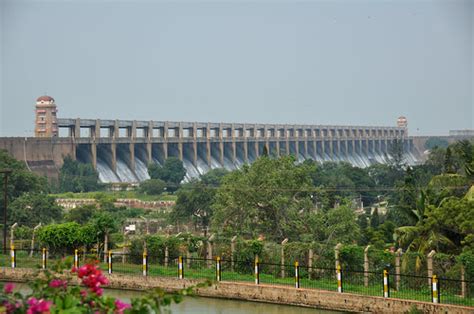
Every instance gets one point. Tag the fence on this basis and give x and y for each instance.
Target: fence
(379, 283)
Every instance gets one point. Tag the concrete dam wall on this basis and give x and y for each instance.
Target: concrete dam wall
(121, 150)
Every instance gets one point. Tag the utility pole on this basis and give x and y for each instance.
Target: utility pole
(6, 173)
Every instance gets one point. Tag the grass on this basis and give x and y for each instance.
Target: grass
(352, 282)
(115, 195)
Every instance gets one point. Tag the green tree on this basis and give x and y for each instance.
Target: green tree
(65, 237)
(195, 198)
(81, 215)
(31, 209)
(270, 196)
(448, 166)
(397, 152)
(375, 219)
(101, 225)
(172, 172)
(433, 142)
(78, 177)
(342, 226)
(21, 180)
(152, 187)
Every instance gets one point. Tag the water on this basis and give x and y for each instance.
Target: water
(125, 174)
(191, 171)
(106, 174)
(141, 170)
(198, 305)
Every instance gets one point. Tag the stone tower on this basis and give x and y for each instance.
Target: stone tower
(46, 122)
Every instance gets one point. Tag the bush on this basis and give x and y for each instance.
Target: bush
(152, 187)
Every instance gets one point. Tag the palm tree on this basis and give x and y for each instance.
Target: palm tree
(422, 237)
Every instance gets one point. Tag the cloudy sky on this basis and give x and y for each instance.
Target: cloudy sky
(314, 62)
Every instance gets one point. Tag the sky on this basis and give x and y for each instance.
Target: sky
(353, 62)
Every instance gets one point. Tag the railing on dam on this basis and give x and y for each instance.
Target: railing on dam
(383, 283)
(78, 128)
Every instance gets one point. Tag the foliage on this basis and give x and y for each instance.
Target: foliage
(21, 180)
(352, 257)
(155, 247)
(81, 214)
(77, 177)
(31, 209)
(270, 196)
(172, 172)
(195, 199)
(152, 187)
(433, 142)
(66, 237)
(342, 180)
(23, 233)
(247, 250)
(54, 293)
(397, 152)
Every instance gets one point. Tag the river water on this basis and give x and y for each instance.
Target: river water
(202, 305)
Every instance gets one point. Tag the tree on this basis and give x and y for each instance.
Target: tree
(444, 228)
(434, 142)
(375, 219)
(21, 180)
(77, 177)
(342, 180)
(65, 237)
(342, 227)
(102, 224)
(397, 152)
(152, 187)
(270, 196)
(172, 172)
(448, 166)
(446, 185)
(31, 209)
(195, 198)
(81, 214)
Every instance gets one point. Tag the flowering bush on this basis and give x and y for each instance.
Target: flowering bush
(56, 292)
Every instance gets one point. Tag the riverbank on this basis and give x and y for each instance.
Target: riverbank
(285, 295)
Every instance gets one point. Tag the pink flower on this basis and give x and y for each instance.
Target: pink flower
(8, 288)
(92, 278)
(121, 306)
(58, 283)
(38, 306)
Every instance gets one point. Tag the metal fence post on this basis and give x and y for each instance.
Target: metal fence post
(218, 268)
(339, 278)
(435, 289)
(180, 268)
(13, 256)
(257, 275)
(44, 259)
(386, 284)
(110, 261)
(145, 264)
(297, 275)
(76, 259)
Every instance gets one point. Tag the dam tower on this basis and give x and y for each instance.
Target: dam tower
(46, 121)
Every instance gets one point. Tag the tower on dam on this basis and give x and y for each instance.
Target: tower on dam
(46, 122)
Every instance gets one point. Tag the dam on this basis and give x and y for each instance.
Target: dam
(121, 149)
